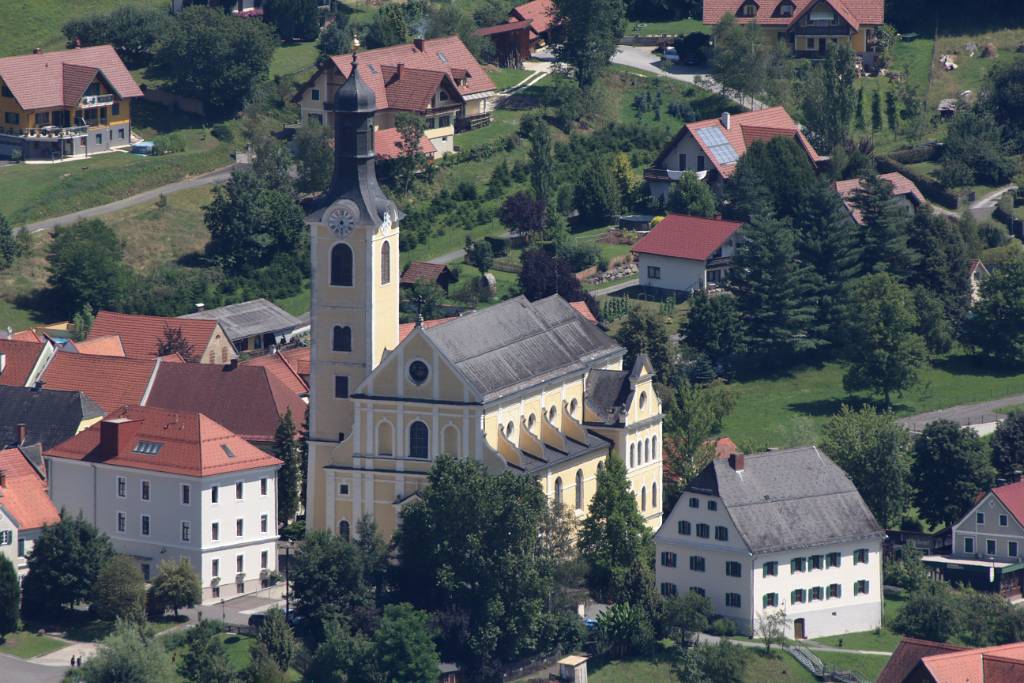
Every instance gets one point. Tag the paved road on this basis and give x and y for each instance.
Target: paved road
(967, 414)
(617, 287)
(643, 58)
(709, 639)
(19, 670)
(213, 177)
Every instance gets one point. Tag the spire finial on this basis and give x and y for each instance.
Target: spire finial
(419, 310)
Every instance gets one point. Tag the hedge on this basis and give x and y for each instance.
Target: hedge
(933, 190)
(929, 151)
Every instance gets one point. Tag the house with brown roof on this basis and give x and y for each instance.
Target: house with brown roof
(543, 18)
(925, 661)
(808, 26)
(438, 79)
(141, 335)
(425, 272)
(284, 365)
(110, 381)
(25, 507)
(529, 26)
(712, 147)
(22, 361)
(65, 104)
(684, 253)
(903, 189)
(169, 485)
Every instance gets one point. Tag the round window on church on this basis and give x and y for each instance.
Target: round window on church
(418, 372)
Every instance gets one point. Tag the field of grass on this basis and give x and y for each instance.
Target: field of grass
(25, 644)
(910, 57)
(294, 59)
(883, 641)
(972, 70)
(790, 410)
(237, 650)
(868, 666)
(672, 28)
(781, 669)
(27, 24)
(506, 78)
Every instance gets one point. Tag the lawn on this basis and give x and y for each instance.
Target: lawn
(27, 24)
(32, 192)
(868, 666)
(506, 78)
(910, 57)
(972, 70)
(789, 410)
(294, 59)
(237, 650)
(298, 303)
(25, 644)
(672, 28)
(883, 641)
(781, 669)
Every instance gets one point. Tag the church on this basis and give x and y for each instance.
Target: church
(530, 387)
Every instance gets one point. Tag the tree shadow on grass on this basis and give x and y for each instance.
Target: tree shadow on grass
(975, 365)
(827, 407)
(41, 304)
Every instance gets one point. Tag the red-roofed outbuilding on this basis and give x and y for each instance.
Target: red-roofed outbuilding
(25, 507)
(684, 253)
(141, 335)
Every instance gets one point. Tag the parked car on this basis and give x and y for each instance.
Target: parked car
(256, 620)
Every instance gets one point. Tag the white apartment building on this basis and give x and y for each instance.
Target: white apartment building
(167, 486)
(783, 529)
(24, 506)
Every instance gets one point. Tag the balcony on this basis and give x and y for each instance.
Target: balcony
(90, 101)
(47, 132)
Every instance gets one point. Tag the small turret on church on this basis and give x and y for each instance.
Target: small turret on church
(354, 251)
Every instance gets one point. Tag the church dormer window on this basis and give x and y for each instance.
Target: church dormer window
(418, 440)
(341, 265)
(342, 338)
(385, 263)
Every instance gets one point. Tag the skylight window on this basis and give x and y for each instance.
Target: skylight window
(227, 450)
(147, 447)
(440, 55)
(372, 68)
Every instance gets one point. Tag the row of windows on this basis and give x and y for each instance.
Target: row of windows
(694, 503)
(509, 428)
(145, 490)
(342, 271)
(654, 497)
(186, 527)
(990, 546)
(240, 564)
(643, 452)
(699, 564)
(579, 490)
(703, 530)
(979, 517)
(798, 596)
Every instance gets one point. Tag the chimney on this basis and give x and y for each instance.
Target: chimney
(401, 70)
(200, 306)
(3, 479)
(3, 362)
(116, 435)
(233, 365)
(418, 43)
(22, 433)
(726, 120)
(37, 50)
(38, 385)
(736, 461)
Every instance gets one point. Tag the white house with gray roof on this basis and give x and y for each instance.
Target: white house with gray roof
(254, 325)
(784, 529)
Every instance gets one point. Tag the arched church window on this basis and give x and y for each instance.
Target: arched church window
(341, 265)
(418, 440)
(579, 489)
(343, 529)
(342, 340)
(632, 455)
(385, 263)
(643, 498)
(654, 496)
(558, 490)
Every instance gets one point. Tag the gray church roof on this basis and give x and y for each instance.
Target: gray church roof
(518, 343)
(789, 499)
(50, 416)
(249, 318)
(609, 392)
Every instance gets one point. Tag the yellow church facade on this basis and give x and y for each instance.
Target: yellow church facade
(529, 387)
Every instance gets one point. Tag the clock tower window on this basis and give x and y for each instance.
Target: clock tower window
(385, 263)
(342, 338)
(341, 265)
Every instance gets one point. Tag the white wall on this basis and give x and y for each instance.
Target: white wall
(679, 274)
(991, 529)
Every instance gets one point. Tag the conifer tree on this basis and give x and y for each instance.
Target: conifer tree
(616, 542)
(884, 232)
(876, 111)
(10, 597)
(772, 290)
(286, 449)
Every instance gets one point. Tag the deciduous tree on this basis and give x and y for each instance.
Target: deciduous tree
(930, 613)
(86, 267)
(830, 96)
(130, 654)
(10, 597)
(881, 349)
(120, 590)
(996, 325)
(388, 27)
(591, 30)
(692, 196)
(1008, 445)
(205, 660)
(63, 566)
(975, 151)
(293, 19)
(714, 327)
(174, 341)
(644, 332)
(327, 579)
(286, 449)
(9, 247)
(403, 646)
(874, 451)
(176, 587)
(276, 637)
(721, 663)
(523, 215)
(951, 467)
(313, 157)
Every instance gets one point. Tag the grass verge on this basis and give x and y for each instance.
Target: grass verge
(868, 666)
(28, 24)
(26, 645)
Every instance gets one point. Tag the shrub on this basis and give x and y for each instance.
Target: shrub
(722, 627)
(929, 151)
(222, 132)
(168, 144)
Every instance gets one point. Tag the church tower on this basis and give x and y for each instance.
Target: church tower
(354, 250)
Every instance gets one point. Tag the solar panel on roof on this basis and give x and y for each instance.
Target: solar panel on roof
(720, 148)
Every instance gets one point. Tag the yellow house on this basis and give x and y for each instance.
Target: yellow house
(438, 79)
(530, 387)
(807, 26)
(64, 104)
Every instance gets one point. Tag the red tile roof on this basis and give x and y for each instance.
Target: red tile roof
(101, 346)
(59, 79)
(141, 334)
(405, 329)
(971, 665)
(23, 498)
(744, 129)
(686, 237)
(1012, 496)
(540, 14)
(191, 444)
(247, 399)
(411, 89)
(27, 335)
(20, 357)
(422, 271)
(386, 144)
(854, 12)
(299, 359)
(109, 381)
(724, 447)
(508, 27)
(908, 654)
(584, 310)
(440, 55)
(282, 369)
(901, 186)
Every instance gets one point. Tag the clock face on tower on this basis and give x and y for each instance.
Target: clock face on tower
(343, 217)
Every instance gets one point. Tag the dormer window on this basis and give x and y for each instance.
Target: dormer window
(147, 447)
(786, 9)
(747, 9)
